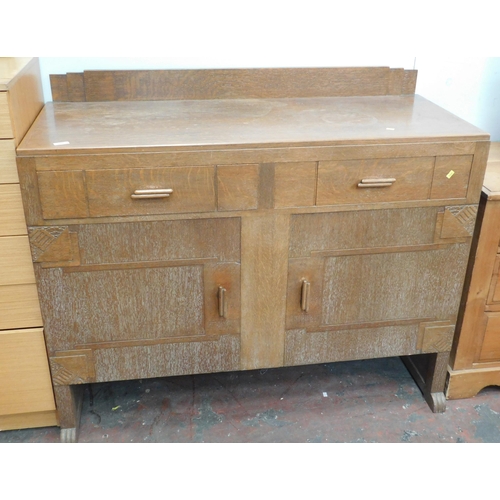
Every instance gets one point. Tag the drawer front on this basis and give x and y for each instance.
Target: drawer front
(122, 192)
(16, 266)
(393, 179)
(24, 373)
(19, 307)
(451, 176)
(5, 123)
(11, 211)
(8, 167)
(371, 181)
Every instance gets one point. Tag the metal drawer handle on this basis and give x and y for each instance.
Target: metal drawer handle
(221, 294)
(304, 295)
(369, 183)
(151, 193)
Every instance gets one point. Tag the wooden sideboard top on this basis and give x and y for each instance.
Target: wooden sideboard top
(100, 127)
(491, 183)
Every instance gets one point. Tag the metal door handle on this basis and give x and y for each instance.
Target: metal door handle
(221, 294)
(304, 295)
(151, 193)
(381, 182)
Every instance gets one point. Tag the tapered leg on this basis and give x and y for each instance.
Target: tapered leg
(429, 372)
(69, 404)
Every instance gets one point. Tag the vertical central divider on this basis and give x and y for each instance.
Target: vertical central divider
(264, 268)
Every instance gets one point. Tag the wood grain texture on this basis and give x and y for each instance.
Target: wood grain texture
(471, 329)
(69, 403)
(491, 183)
(131, 158)
(227, 276)
(25, 99)
(24, 373)
(338, 181)
(264, 253)
(279, 206)
(62, 194)
(494, 293)
(237, 187)
(477, 173)
(160, 241)
(6, 131)
(156, 126)
(76, 87)
(393, 286)
(59, 88)
(328, 346)
(20, 307)
(8, 170)
(295, 184)
(234, 83)
(16, 267)
(168, 359)
(312, 233)
(109, 192)
(10, 67)
(129, 304)
(12, 222)
(467, 383)
(490, 348)
(28, 420)
(451, 176)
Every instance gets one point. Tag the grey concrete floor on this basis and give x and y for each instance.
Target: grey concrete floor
(368, 401)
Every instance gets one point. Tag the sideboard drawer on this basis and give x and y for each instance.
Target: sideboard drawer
(393, 179)
(371, 181)
(131, 191)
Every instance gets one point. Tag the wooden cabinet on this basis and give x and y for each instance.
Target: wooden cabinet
(475, 361)
(26, 397)
(197, 221)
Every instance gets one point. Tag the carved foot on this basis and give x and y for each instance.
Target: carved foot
(436, 402)
(68, 435)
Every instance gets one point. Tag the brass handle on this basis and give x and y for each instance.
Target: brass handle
(151, 193)
(369, 183)
(304, 295)
(221, 294)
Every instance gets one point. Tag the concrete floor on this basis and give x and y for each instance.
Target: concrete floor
(368, 401)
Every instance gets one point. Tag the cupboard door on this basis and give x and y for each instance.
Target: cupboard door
(138, 287)
(390, 285)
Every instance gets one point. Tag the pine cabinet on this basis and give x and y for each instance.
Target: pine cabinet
(26, 397)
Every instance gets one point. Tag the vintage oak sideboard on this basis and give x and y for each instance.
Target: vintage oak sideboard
(196, 221)
(475, 357)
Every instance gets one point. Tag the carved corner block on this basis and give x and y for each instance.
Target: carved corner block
(436, 336)
(54, 246)
(455, 223)
(72, 367)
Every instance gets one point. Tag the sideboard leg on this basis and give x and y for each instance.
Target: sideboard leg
(69, 405)
(429, 372)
